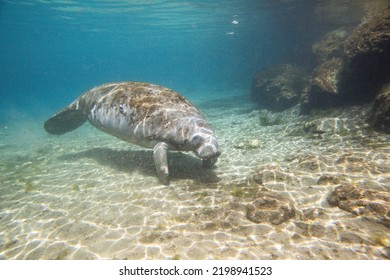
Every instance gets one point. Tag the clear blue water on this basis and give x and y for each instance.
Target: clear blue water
(52, 51)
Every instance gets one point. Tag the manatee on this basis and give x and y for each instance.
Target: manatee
(144, 114)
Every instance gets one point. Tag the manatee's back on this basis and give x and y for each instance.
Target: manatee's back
(140, 113)
(147, 110)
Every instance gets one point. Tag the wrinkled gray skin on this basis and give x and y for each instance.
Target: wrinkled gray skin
(148, 115)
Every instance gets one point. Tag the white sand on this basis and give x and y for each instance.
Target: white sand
(87, 195)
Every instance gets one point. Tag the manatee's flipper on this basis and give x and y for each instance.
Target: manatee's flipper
(161, 162)
(65, 121)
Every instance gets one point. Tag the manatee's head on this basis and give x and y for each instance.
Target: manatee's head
(205, 145)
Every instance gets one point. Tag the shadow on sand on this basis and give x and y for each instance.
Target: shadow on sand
(181, 165)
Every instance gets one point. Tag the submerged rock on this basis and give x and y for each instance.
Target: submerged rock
(353, 71)
(277, 88)
(271, 208)
(380, 111)
(330, 46)
(328, 180)
(248, 145)
(372, 204)
(322, 91)
(366, 66)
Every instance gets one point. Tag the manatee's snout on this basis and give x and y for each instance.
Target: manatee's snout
(209, 151)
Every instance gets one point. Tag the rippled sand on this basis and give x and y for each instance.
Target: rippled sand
(87, 195)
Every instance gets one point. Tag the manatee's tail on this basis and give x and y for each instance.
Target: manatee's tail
(66, 120)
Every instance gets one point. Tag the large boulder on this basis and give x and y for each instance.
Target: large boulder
(380, 111)
(330, 46)
(357, 76)
(278, 88)
(323, 89)
(366, 66)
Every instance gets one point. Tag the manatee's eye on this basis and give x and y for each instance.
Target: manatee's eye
(196, 140)
(121, 109)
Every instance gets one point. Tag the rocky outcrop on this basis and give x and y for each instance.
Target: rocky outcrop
(348, 70)
(271, 208)
(277, 88)
(366, 66)
(356, 76)
(323, 89)
(330, 46)
(380, 111)
(371, 204)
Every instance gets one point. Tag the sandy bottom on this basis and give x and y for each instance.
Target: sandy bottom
(87, 195)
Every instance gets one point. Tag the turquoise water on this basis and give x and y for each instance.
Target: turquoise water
(52, 51)
(87, 195)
